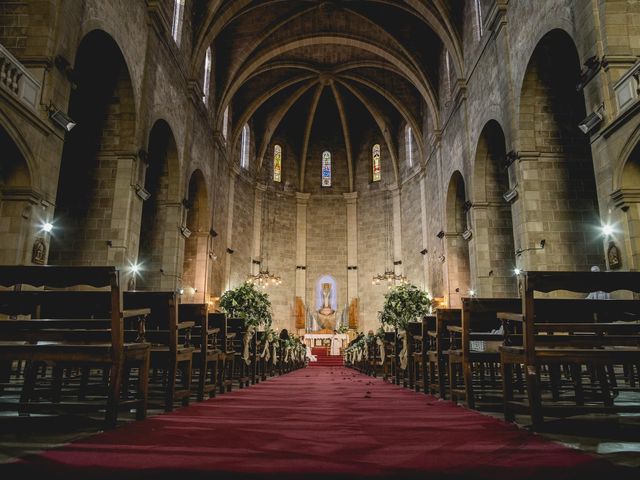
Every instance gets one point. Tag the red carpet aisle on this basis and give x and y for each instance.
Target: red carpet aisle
(325, 360)
(317, 423)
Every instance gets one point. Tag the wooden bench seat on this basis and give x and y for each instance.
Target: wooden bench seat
(88, 347)
(550, 334)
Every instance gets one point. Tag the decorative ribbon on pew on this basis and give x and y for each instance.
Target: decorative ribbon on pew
(248, 335)
(404, 353)
(266, 352)
(287, 352)
(275, 353)
(366, 351)
(381, 350)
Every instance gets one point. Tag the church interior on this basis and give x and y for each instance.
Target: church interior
(337, 238)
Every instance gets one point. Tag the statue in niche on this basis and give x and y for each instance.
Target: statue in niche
(39, 252)
(613, 256)
(326, 315)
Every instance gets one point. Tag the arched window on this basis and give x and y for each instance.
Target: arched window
(376, 174)
(244, 147)
(225, 122)
(408, 145)
(447, 70)
(207, 76)
(479, 19)
(326, 168)
(176, 24)
(277, 163)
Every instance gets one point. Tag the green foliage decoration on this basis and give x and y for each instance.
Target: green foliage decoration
(248, 303)
(403, 304)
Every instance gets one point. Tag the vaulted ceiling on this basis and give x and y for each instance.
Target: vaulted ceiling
(278, 63)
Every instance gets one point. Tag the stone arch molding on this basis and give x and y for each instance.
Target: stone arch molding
(23, 147)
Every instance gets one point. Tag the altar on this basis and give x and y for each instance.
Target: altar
(320, 339)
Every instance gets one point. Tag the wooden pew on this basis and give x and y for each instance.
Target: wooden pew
(227, 356)
(98, 341)
(554, 333)
(414, 329)
(169, 336)
(208, 354)
(439, 344)
(242, 370)
(473, 346)
(420, 348)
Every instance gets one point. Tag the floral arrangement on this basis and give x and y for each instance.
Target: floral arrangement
(404, 304)
(248, 303)
(342, 329)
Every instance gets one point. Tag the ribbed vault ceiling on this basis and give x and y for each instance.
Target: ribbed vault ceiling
(278, 62)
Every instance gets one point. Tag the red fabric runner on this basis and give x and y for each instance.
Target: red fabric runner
(317, 423)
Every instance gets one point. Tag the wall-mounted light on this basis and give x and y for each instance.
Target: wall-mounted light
(592, 65)
(229, 251)
(441, 258)
(592, 120)
(510, 195)
(520, 251)
(466, 206)
(61, 119)
(424, 251)
(517, 271)
(467, 234)
(607, 230)
(47, 227)
(510, 157)
(472, 293)
(440, 234)
(186, 233)
(213, 233)
(142, 192)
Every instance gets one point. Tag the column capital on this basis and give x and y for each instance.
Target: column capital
(261, 187)
(302, 198)
(350, 197)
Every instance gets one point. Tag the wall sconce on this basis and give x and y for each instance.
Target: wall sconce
(466, 206)
(142, 192)
(61, 119)
(143, 155)
(520, 251)
(424, 251)
(213, 233)
(440, 234)
(510, 157)
(441, 258)
(510, 195)
(186, 233)
(229, 251)
(467, 234)
(592, 65)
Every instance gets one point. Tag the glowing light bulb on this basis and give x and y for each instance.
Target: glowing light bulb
(47, 227)
(516, 271)
(607, 230)
(472, 293)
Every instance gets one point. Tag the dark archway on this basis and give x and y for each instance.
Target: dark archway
(158, 232)
(456, 247)
(196, 246)
(102, 105)
(492, 242)
(557, 193)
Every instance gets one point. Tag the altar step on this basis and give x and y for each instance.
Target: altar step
(325, 360)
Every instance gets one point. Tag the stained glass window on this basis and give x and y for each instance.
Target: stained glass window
(277, 163)
(408, 143)
(207, 76)
(176, 24)
(244, 147)
(375, 163)
(225, 123)
(326, 169)
(479, 18)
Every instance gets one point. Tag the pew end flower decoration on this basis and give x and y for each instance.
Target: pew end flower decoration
(404, 304)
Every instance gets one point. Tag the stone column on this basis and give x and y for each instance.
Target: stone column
(351, 200)
(425, 239)
(125, 214)
(302, 200)
(256, 255)
(396, 223)
(227, 258)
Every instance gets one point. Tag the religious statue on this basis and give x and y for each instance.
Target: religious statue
(326, 315)
(39, 253)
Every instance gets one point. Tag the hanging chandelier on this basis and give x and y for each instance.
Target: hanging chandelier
(389, 276)
(264, 278)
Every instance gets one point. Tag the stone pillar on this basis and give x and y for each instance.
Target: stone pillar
(256, 255)
(626, 218)
(351, 200)
(425, 239)
(396, 222)
(125, 214)
(302, 200)
(227, 258)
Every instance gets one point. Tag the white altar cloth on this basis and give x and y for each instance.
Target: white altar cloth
(341, 338)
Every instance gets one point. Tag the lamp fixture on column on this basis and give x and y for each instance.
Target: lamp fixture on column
(389, 276)
(264, 278)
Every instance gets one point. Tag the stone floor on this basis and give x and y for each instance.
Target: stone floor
(614, 437)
